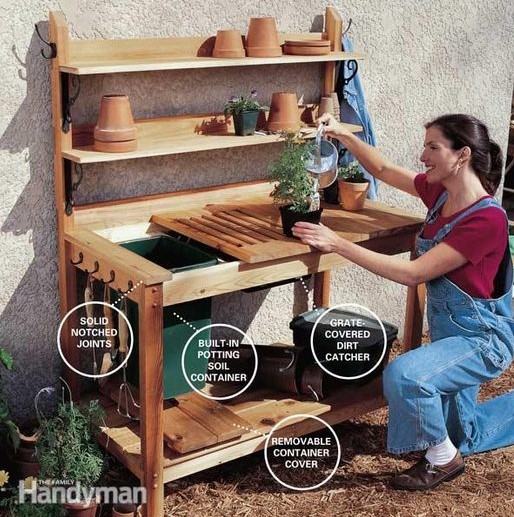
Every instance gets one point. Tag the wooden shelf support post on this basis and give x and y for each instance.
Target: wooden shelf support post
(333, 28)
(151, 397)
(59, 34)
(414, 312)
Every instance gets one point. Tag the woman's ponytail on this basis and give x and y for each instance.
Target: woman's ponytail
(493, 177)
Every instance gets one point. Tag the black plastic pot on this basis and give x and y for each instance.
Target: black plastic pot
(331, 194)
(245, 122)
(290, 218)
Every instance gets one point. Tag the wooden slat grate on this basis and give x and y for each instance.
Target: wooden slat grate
(253, 232)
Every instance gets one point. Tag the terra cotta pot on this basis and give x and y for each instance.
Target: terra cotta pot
(115, 124)
(124, 510)
(229, 44)
(262, 38)
(326, 105)
(352, 195)
(81, 509)
(284, 114)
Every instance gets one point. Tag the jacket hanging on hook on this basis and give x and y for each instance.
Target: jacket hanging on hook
(354, 111)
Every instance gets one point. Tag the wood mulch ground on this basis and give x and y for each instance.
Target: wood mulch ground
(244, 488)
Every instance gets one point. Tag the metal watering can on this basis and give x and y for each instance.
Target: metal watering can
(321, 164)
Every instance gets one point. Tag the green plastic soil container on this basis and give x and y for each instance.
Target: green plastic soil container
(176, 256)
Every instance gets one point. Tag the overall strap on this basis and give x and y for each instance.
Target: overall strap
(484, 203)
(432, 213)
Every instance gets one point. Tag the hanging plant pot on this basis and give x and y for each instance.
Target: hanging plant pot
(352, 195)
(245, 122)
(289, 218)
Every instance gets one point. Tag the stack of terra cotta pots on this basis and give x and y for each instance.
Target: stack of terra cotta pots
(261, 41)
(115, 131)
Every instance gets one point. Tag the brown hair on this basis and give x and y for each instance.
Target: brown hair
(486, 156)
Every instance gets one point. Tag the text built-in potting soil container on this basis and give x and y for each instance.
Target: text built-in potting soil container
(172, 254)
(303, 324)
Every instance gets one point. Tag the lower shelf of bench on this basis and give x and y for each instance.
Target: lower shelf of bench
(262, 409)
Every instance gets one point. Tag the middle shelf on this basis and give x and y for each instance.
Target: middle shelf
(174, 135)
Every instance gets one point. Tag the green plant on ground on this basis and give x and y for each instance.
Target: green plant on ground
(351, 173)
(293, 183)
(67, 449)
(237, 104)
(14, 509)
(7, 426)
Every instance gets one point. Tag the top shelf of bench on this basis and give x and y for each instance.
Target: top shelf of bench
(88, 57)
(109, 63)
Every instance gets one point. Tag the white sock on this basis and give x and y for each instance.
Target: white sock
(442, 453)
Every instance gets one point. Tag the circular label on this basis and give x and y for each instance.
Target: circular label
(346, 344)
(222, 360)
(301, 462)
(95, 333)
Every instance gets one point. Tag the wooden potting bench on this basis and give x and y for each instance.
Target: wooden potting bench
(173, 441)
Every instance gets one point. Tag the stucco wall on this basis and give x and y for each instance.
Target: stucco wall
(424, 58)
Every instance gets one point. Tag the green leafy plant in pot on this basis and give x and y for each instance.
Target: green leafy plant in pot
(245, 112)
(353, 187)
(7, 426)
(18, 445)
(294, 186)
(67, 450)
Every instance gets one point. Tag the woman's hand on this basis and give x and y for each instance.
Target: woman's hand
(332, 127)
(318, 236)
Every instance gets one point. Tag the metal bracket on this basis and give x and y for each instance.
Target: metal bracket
(342, 81)
(70, 186)
(68, 100)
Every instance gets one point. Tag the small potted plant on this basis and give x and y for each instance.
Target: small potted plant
(244, 111)
(19, 444)
(67, 451)
(353, 187)
(293, 184)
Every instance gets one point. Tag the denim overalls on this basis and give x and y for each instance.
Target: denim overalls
(432, 390)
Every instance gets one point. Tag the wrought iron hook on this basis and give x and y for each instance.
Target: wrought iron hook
(130, 286)
(79, 261)
(112, 274)
(350, 21)
(53, 46)
(97, 268)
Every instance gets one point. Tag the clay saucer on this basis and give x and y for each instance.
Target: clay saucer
(299, 50)
(307, 43)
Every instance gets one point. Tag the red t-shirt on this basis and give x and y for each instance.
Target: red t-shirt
(481, 237)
